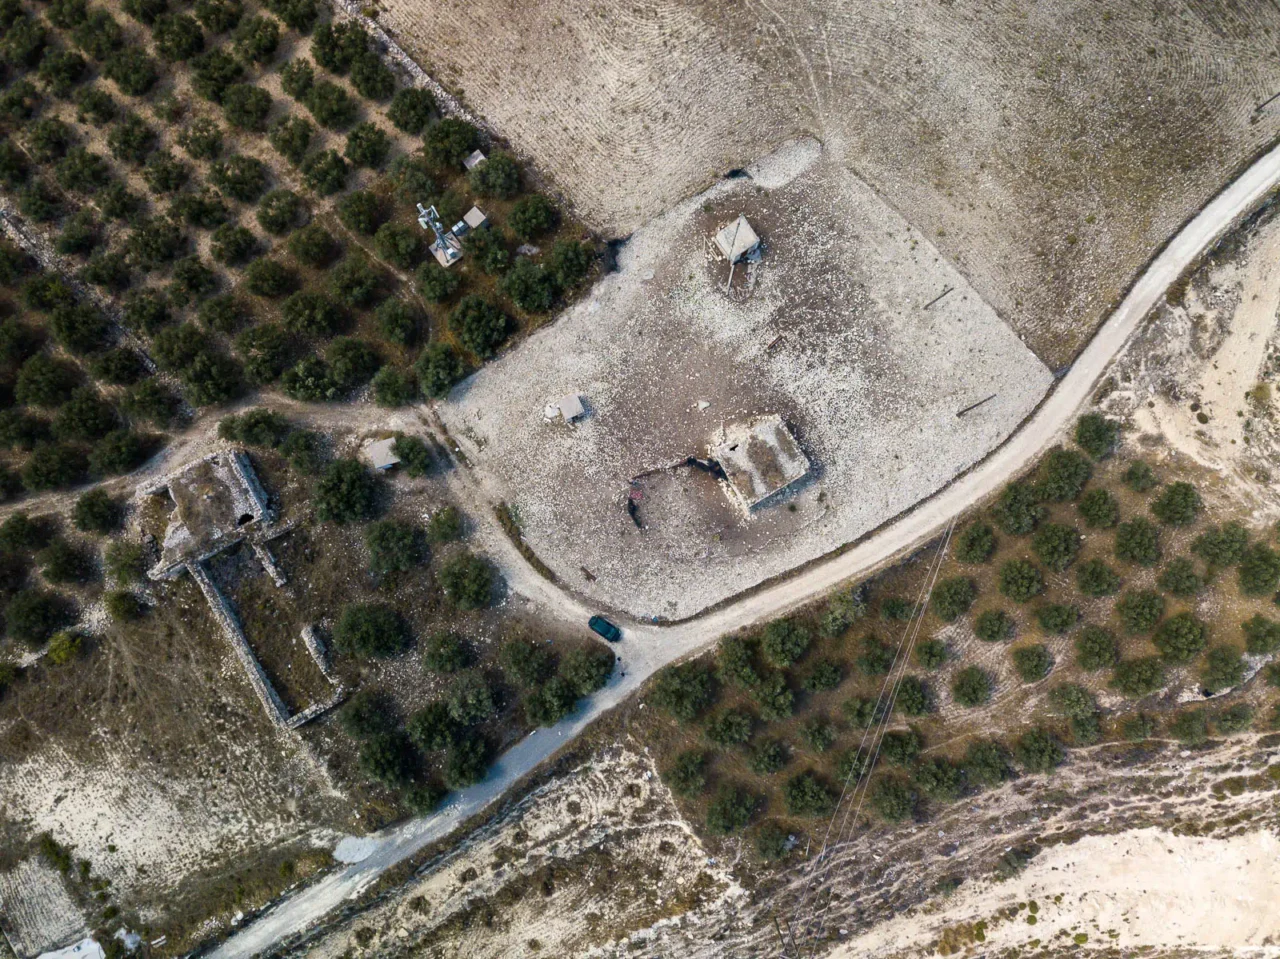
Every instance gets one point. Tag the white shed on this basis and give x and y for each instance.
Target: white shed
(568, 408)
(737, 240)
(382, 454)
(475, 218)
(474, 160)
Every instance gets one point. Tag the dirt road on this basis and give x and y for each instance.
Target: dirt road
(647, 648)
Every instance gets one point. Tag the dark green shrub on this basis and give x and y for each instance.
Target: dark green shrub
(371, 77)
(976, 544)
(39, 202)
(467, 581)
(242, 178)
(192, 281)
(336, 45)
(931, 653)
(415, 456)
(45, 381)
(51, 466)
(939, 779)
(82, 171)
(368, 713)
(876, 658)
(150, 401)
(1018, 511)
(214, 73)
(1234, 719)
(370, 629)
(1222, 546)
(156, 242)
(1100, 509)
(98, 35)
(1261, 635)
(892, 799)
(550, 703)
(346, 493)
(467, 761)
(488, 249)
(314, 246)
(85, 416)
(1177, 505)
(952, 598)
(1096, 578)
(256, 427)
(246, 106)
(1138, 541)
(568, 263)
(398, 321)
(145, 11)
(62, 71)
(120, 367)
(367, 145)
(356, 282)
(1223, 669)
(818, 734)
(361, 211)
(1097, 435)
(266, 350)
(1259, 570)
(80, 329)
(1037, 751)
(1180, 578)
(411, 110)
(768, 757)
(1062, 475)
(1141, 610)
(972, 686)
(498, 176)
(387, 758)
(993, 626)
(432, 728)
(60, 562)
(117, 203)
(445, 524)
(807, 795)
(1190, 727)
(1140, 477)
(915, 698)
(19, 102)
(1096, 648)
(1057, 618)
(205, 209)
(332, 107)
(479, 325)
(1056, 546)
(1180, 638)
(291, 137)
(784, 642)
(178, 37)
(411, 176)
(987, 763)
(351, 362)
(824, 675)
(132, 71)
(218, 16)
(449, 142)
(435, 283)
(48, 139)
(1032, 663)
(297, 77)
(32, 616)
(586, 670)
(308, 380)
(686, 776)
(257, 39)
(730, 728)
(1021, 580)
(232, 244)
(684, 690)
(532, 216)
(269, 278)
(438, 368)
(394, 547)
(901, 747)
(400, 245)
(445, 652)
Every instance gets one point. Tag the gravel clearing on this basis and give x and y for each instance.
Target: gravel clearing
(832, 333)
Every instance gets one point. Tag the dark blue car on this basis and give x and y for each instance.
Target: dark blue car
(605, 628)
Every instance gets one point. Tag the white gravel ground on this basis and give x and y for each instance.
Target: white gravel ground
(834, 337)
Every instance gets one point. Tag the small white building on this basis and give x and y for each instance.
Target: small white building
(474, 160)
(760, 458)
(737, 240)
(568, 408)
(475, 218)
(382, 454)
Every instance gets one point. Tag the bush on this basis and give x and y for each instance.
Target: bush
(246, 106)
(529, 665)
(568, 263)
(325, 172)
(117, 203)
(156, 242)
(987, 763)
(96, 512)
(467, 761)
(684, 690)
(52, 466)
(1261, 635)
(1021, 580)
(1190, 727)
(305, 451)
(1063, 474)
(1095, 578)
(1234, 719)
(308, 380)
(785, 641)
(470, 699)
(445, 525)
(214, 73)
(232, 244)
(438, 368)
(45, 381)
(314, 246)
(1057, 618)
(1180, 638)
(730, 728)
(1178, 505)
(132, 71)
(952, 598)
(257, 39)
(150, 401)
(145, 11)
(1180, 578)
(66, 647)
(336, 45)
(49, 139)
(398, 321)
(394, 387)
(479, 325)
(394, 547)
(1222, 546)
(435, 283)
(243, 178)
(387, 758)
(499, 176)
(82, 172)
(807, 795)
(356, 282)
(432, 728)
(532, 216)
(192, 280)
(19, 102)
(768, 757)
(332, 107)
(1056, 546)
(1259, 570)
(40, 202)
(686, 776)
(1018, 511)
(915, 698)
(1223, 669)
(131, 140)
(62, 71)
(972, 686)
(876, 658)
(98, 35)
(1038, 751)
(346, 493)
(444, 652)
(120, 451)
(1099, 508)
(411, 110)
(399, 245)
(1096, 648)
(269, 278)
(415, 456)
(901, 747)
(825, 674)
(411, 176)
(218, 16)
(550, 703)
(370, 629)
(818, 734)
(32, 616)
(1138, 541)
(60, 562)
(367, 145)
(976, 544)
(177, 37)
(24, 43)
(369, 712)
(291, 137)
(449, 142)
(1032, 663)
(1097, 435)
(1140, 611)
(586, 670)
(993, 626)
(120, 367)
(84, 416)
(931, 653)
(80, 328)
(351, 362)
(467, 581)
(371, 77)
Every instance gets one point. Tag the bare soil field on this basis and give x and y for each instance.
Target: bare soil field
(831, 333)
(1047, 147)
